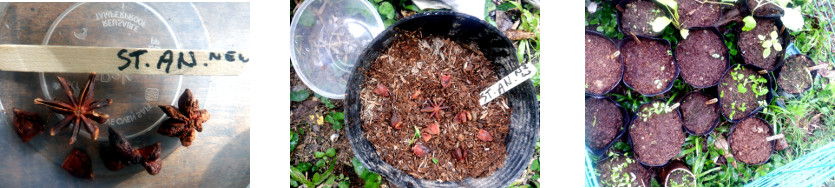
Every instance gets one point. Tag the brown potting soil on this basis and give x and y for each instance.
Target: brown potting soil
(415, 63)
(794, 77)
(603, 66)
(729, 96)
(657, 138)
(748, 141)
(692, 13)
(701, 58)
(751, 46)
(637, 18)
(649, 66)
(680, 178)
(764, 10)
(697, 116)
(627, 168)
(603, 122)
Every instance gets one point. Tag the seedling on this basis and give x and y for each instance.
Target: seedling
(417, 135)
(620, 177)
(657, 108)
(768, 43)
(660, 23)
(757, 85)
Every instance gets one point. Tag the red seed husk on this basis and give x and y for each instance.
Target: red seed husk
(433, 128)
(445, 80)
(420, 150)
(483, 135)
(381, 90)
(395, 121)
(78, 165)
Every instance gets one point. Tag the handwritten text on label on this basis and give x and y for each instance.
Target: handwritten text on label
(508, 82)
(184, 60)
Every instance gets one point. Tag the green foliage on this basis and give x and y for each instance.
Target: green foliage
(416, 136)
(604, 20)
(299, 96)
(325, 101)
(386, 10)
(774, 41)
(750, 23)
(336, 119)
(330, 152)
(297, 175)
(371, 179)
(294, 140)
(318, 154)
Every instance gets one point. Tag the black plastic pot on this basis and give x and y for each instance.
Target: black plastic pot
(785, 38)
(642, 38)
(465, 29)
(620, 60)
(622, 5)
(749, 11)
(724, 47)
(777, 72)
(770, 132)
(715, 122)
(768, 97)
(665, 173)
(600, 151)
(629, 135)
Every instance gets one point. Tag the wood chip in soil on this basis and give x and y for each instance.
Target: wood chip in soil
(794, 77)
(697, 116)
(751, 46)
(702, 58)
(603, 65)
(656, 137)
(414, 63)
(603, 122)
(650, 67)
(748, 141)
(637, 18)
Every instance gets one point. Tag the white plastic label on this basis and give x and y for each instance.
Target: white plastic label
(508, 82)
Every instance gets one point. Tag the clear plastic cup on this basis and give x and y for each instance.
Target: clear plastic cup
(325, 39)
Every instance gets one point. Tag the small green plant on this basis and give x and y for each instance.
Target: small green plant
(299, 96)
(656, 108)
(335, 119)
(325, 101)
(324, 179)
(620, 177)
(756, 83)
(416, 136)
(294, 140)
(371, 179)
(661, 22)
(769, 43)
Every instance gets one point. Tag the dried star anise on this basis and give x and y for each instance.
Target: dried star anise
(185, 121)
(27, 124)
(121, 154)
(78, 164)
(435, 107)
(77, 111)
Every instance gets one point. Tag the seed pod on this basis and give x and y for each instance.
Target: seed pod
(381, 90)
(78, 165)
(426, 137)
(433, 128)
(395, 121)
(416, 94)
(27, 124)
(483, 135)
(420, 150)
(445, 80)
(459, 153)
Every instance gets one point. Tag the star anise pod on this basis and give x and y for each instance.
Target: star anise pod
(121, 154)
(185, 121)
(77, 111)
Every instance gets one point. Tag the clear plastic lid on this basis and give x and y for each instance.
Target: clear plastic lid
(325, 39)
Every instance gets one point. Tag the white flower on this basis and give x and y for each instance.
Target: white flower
(792, 19)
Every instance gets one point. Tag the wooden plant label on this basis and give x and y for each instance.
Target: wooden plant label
(508, 82)
(111, 60)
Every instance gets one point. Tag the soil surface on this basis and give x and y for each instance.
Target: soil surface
(695, 14)
(650, 66)
(736, 105)
(794, 77)
(748, 141)
(627, 168)
(697, 116)
(416, 63)
(657, 137)
(680, 178)
(603, 65)
(767, 9)
(637, 18)
(751, 46)
(702, 58)
(603, 122)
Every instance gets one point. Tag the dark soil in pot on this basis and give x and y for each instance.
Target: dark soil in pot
(766, 10)
(742, 92)
(622, 171)
(604, 68)
(637, 16)
(656, 133)
(794, 77)
(692, 13)
(650, 68)
(748, 141)
(698, 117)
(751, 46)
(604, 120)
(702, 58)
(404, 84)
